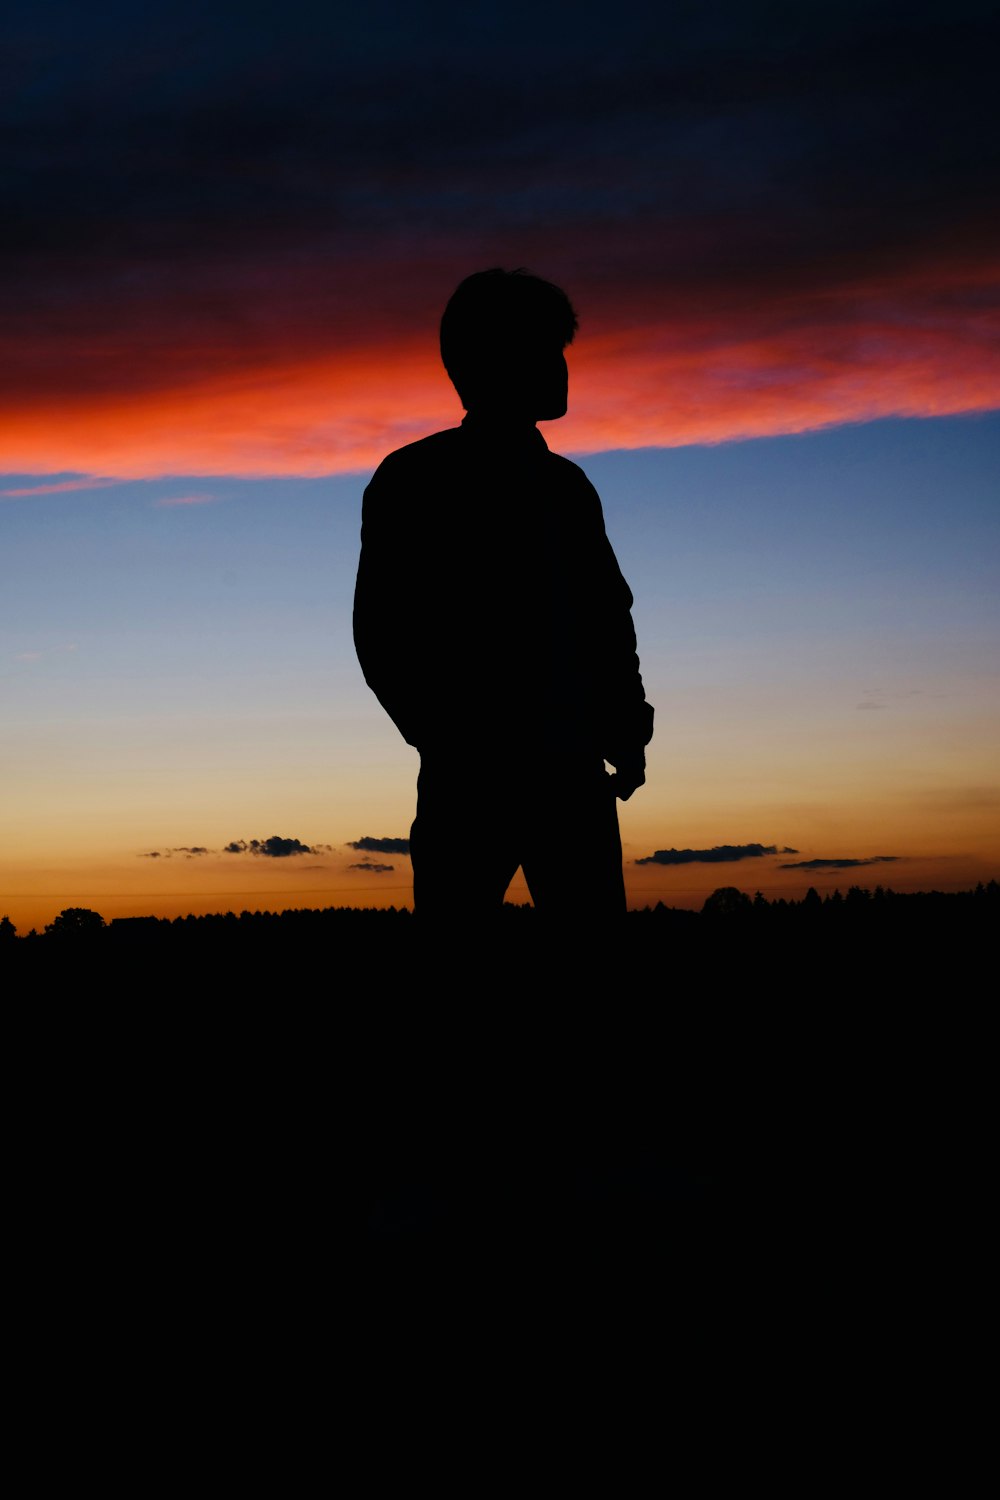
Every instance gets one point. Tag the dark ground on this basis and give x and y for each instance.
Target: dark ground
(696, 1138)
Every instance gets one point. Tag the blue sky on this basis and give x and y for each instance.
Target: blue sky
(818, 628)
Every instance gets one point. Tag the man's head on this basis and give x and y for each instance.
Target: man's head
(502, 339)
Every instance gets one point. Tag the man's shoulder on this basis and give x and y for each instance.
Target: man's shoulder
(568, 471)
(570, 481)
(443, 459)
(423, 468)
(426, 452)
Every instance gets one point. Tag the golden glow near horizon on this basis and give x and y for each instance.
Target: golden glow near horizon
(71, 845)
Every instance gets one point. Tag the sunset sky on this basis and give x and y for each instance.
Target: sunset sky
(229, 233)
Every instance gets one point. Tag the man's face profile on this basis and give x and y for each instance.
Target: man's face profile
(552, 396)
(534, 381)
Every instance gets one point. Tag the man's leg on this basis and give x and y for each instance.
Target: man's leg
(463, 843)
(572, 851)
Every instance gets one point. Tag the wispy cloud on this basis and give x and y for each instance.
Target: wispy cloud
(61, 486)
(274, 847)
(169, 501)
(41, 652)
(842, 864)
(372, 867)
(960, 799)
(880, 697)
(189, 851)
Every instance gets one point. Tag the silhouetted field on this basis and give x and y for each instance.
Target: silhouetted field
(763, 1112)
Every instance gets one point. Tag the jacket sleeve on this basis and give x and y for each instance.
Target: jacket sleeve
(626, 719)
(381, 599)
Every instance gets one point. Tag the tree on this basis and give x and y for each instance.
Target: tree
(726, 902)
(75, 921)
(7, 930)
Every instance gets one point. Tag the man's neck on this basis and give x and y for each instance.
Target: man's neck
(502, 426)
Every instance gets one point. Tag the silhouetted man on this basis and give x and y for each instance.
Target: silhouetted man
(493, 625)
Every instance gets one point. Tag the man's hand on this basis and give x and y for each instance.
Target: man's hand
(630, 772)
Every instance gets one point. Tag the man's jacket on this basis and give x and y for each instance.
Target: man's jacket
(490, 617)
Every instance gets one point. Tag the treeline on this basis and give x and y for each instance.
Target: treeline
(859, 904)
(860, 907)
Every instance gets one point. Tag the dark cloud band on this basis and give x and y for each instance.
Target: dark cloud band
(369, 845)
(722, 854)
(842, 864)
(772, 190)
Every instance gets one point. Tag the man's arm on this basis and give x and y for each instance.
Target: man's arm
(626, 717)
(381, 599)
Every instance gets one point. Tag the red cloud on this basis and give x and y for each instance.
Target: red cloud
(284, 376)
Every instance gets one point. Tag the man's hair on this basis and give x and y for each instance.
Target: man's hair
(494, 319)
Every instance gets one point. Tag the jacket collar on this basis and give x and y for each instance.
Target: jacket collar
(508, 436)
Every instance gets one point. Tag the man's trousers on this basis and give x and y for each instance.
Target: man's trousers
(476, 824)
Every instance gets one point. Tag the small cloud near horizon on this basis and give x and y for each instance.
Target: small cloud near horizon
(842, 864)
(722, 854)
(369, 845)
(275, 847)
(372, 868)
(190, 851)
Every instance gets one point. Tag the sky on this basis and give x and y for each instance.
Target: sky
(230, 232)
